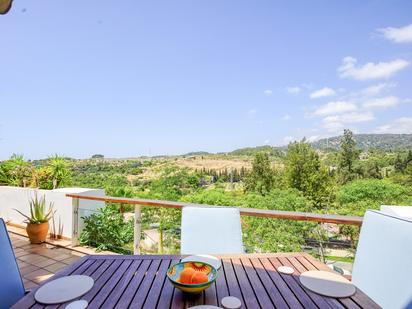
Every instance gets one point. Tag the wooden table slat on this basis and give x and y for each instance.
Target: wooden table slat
(167, 290)
(333, 302)
(260, 291)
(141, 294)
(290, 280)
(156, 288)
(107, 288)
(320, 300)
(232, 283)
(141, 281)
(134, 284)
(272, 289)
(121, 286)
(247, 290)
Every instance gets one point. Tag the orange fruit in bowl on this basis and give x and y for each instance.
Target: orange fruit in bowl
(199, 277)
(186, 275)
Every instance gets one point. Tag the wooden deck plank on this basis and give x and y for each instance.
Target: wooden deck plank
(257, 286)
(270, 287)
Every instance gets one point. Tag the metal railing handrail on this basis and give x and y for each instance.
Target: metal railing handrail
(263, 213)
(255, 212)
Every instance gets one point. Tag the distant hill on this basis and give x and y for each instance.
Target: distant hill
(369, 141)
(251, 151)
(196, 153)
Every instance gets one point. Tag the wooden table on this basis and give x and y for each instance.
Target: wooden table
(140, 282)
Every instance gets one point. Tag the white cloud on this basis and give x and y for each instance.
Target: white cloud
(384, 102)
(375, 90)
(324, 92)
(350, 117)
(313, 138)
(288, 139)
(267, 141)
(337, 122)
(268, 92)
(286, 117)
(401, 125)
(333, 126)
(336, 107)
(294, 90)
(252, 111)
(398, 35)
(370, 70)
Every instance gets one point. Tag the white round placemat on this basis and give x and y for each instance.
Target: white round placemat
(204, 307)
(64, 289)
(327, 283)
(286, 270)
(231, 302)
(209, 259)
(78, 304)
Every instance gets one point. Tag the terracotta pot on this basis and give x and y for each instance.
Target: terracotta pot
(37, 232)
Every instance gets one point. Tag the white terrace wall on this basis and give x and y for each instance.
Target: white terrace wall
(18, 198)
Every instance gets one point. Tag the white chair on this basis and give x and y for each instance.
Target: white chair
(383, 261)
(398, 211)
(211, 230)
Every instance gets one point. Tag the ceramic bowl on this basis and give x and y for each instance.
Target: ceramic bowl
(180, 277)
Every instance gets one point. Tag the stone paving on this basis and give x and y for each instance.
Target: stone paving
(39, 262)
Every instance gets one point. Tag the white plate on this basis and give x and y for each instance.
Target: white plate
(64, 289)
(209, 259)
(286, 270)
(327, 283)
(231, 302)
(78, 304)
(204, 307)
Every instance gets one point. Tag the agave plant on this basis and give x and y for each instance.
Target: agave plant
(38, 212)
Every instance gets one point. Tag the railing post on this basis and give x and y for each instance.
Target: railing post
(75, 222)
(137, 229)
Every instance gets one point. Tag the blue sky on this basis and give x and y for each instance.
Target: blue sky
(131, 78)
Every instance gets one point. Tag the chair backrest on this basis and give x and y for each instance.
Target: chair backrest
(211, 230)
(383, 261)
(11, 285)
(398, 211)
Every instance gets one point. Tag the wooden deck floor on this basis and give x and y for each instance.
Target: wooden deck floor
(39, 262)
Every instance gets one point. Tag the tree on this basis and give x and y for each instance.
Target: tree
(59, 170)
(348, 155)
(16, 171)
(305, 173)
(261, 177)
(398, 165)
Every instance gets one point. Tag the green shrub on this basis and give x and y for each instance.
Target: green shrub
(107, 230)
(373, 191)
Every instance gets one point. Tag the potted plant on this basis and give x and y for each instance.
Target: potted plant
(38, 221)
